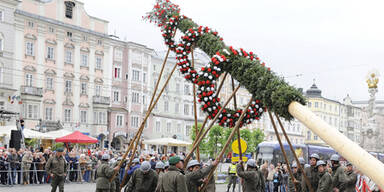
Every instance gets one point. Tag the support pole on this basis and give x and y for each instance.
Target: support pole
(238, 130)
(189, 155)
(220, 155)
(294, 154)
(143, 123)
(195, 109)
(210, 125)
(350, 150)
(281, 146)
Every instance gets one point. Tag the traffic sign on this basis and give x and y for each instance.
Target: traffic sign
(235, 146)
(236, 159)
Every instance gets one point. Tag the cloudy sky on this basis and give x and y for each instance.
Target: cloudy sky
(334, 42)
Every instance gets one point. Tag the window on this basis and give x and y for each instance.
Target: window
(83, 88)
(316, 104)
(135, 97)
(187, 130)
(134, 122)
(315, 137)
(116, 96)
(50, 53)
(126, 76)
(85, 38)
(178, 88)
(32, 111)
(144, 100)
(330, 108)
(69, 34)
(119, 120)
(177, 108)
(186, 109)
(118, 55)
(99, 117)
(179, 128)
(98, 63)
(144, 77)
(98, 90)
(49, 83)
(1, 16)
(1, 43)
(309, 104)
(169, 127)
(166, 106)
(68, 56)
(325, 106)
(48, 114)
(29, 50)
(117, 72)
(135, 75)
(67, 115)
(51, 29)
(69, 9)
(30, 24)
(157, 126)
(309, 135)
(28, 80)
(99, 42)
(68, 86)
(83, 116)
(186, 90)
(84, 60)
(1, 74)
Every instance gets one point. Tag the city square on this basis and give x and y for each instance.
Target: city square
(191, 96)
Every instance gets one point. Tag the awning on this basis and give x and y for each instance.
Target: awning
(76, 137)
(6, 130)
(58, 133)
(28, 133)
(167, 142)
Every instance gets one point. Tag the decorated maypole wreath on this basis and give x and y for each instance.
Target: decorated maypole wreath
(269, 91)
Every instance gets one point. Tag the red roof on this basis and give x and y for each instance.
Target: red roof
(76, 137)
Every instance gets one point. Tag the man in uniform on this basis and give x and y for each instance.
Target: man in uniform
(143, 179)
(174, 180)
(104, 173)
(351, 178)
(195, 175)
(325, 179)
(232, 176)
(338, 174)
(253, 179)
(296, 181)
(56, 167)
(130, 170)
(311, 173)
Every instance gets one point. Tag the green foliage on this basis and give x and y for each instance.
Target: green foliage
(215, 140)
(57, 145)
(203, 143)
(31, 142)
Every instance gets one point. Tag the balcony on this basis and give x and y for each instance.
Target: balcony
(101, 100)
(29, 90)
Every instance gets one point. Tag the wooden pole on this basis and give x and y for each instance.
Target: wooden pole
(189, 155)
(211, 124)
(144, 121)
(220, 156)
(281, 146)
(195, 109)
(294, 154)
(238, 130)
(350, 150)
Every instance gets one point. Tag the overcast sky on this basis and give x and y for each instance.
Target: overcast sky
(334, 42)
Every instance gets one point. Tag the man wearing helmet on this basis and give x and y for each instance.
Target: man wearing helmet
(104, 173)
(130, 171)
(195, 175)
(351, 178)
(325, 179)
(143, 179)
(253, 179)
(232, 176)
(296, 181)
(174, 179)
(311, 173)
(160, 166)
(338, 174)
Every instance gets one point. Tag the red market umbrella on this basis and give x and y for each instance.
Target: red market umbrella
(76, 137)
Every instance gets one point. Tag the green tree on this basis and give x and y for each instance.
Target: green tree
(257, 137)
(215, 140)
(203, 143)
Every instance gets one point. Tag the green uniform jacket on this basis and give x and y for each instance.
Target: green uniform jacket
(104, 173)
(351, 181)
(339, 178)
(159, 182)
(140, 182)
(174, 180)
(252, 179)
(194, 179)
(325, 182)
(313, 178)
(291, 186)
(211, 187)
(56, 166)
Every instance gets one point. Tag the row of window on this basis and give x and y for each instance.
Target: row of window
(168, 128)
(117, 74)
(323, 106)
(188, 109)
(187, 88)
(68, 55)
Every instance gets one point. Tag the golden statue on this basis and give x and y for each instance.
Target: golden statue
(372, 80)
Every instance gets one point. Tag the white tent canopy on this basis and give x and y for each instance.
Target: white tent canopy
(28, 133)
(6, 130)
(58, 133)
(167, 142)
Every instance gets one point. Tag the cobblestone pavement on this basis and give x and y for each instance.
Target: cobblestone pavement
(72, 187)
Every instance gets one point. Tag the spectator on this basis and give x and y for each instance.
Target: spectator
(271, 173)
(40, 167)
(13, 160)
(26, 165)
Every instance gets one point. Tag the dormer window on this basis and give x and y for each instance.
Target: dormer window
(69, 9)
